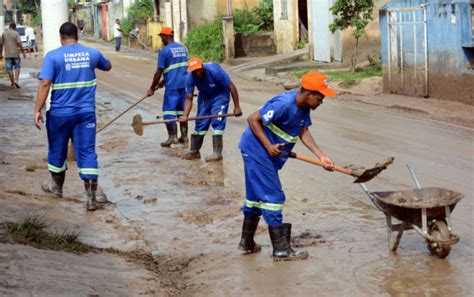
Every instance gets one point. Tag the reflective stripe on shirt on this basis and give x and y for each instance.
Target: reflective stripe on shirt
(75, 85)
(282, 134)
(174, 66)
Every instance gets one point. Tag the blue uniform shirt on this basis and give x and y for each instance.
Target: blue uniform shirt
(282, 122)
(173, 60)
(70, 68)
(214, 83)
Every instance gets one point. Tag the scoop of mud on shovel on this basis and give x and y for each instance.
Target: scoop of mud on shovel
(364, 175)
(137, 124)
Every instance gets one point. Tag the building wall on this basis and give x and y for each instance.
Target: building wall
(203, 11)
(286, 25)
(449, 51)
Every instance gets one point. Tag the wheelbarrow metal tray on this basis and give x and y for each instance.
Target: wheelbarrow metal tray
(406, 205)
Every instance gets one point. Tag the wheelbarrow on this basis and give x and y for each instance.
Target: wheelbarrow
(425, 210)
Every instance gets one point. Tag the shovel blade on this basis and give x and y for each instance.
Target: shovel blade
(373, 172)
(368, 175)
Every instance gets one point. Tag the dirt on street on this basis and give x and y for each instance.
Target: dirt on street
(187, 214)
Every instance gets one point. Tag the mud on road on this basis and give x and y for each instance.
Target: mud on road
(187, 214)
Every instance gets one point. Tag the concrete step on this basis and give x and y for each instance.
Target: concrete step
(263, 62)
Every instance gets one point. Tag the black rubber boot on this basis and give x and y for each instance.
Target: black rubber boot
(183, 127)
(217, 149)
(281, 241)
(247, 244)
(196, 143)
(55, 186)
(91, 188)
(172, 135)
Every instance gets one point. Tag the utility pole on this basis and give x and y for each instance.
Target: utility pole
(15, 12)
(229, 34)
(53, 13)
(2, 18)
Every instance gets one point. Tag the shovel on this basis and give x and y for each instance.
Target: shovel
(362, 175)
(138, 122)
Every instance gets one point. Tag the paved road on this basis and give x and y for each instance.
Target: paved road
(196, 222)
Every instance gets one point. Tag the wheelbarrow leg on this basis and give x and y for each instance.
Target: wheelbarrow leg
(393, 244)
(448, 217)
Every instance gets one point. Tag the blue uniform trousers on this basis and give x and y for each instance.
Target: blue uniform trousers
(173, 103)
(216, 105)
(263, 189)
(81, 128)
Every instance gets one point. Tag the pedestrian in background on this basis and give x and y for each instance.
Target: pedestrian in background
(172, 64)
(31, 39)
(117, 35)
(133, 37)
(11, 43)
(69, 71)
(279, 122)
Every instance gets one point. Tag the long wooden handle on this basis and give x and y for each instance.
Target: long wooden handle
(319, 163)
(121, 114)
(190, 119)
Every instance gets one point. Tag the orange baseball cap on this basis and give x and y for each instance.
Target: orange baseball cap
(166, 31)
(194, 64)
(315, 81)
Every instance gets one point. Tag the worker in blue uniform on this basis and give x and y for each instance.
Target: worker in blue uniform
(172, 64)
(279, 122)
(69, 71)
(215, 88)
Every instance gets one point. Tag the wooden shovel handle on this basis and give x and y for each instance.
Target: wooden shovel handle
(319, 163)
(190, 119)
(121, 114)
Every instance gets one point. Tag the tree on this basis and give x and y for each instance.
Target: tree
(28, 6)
(355, 14)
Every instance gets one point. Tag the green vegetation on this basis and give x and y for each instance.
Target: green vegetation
(258, 19)
(140, 10)
(36, 21)
(355, 15)
(31, 231)
(348, 77)
(205, 41)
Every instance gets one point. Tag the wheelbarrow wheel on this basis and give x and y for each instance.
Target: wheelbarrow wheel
(439, 231)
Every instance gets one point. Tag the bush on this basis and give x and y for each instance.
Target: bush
(245, 21)
(36, 21)
(264, 13)
(260, 18)
(205, 41)
(139, 10)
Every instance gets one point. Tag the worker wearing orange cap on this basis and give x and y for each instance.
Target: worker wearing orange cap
(279, 122)
(172, 64)
(215, 88)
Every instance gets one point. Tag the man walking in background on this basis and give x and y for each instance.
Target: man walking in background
(31, 39)
(11, 42)
(70, 72)
(117, 35)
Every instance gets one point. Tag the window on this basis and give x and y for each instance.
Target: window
(284, 9)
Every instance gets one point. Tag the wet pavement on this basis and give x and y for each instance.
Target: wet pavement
(188, 212)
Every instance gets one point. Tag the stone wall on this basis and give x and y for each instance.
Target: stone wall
(255, 44)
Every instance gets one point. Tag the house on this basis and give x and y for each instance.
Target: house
(300, 21)
(428, 48)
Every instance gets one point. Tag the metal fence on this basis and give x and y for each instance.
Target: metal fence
(408, 55)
